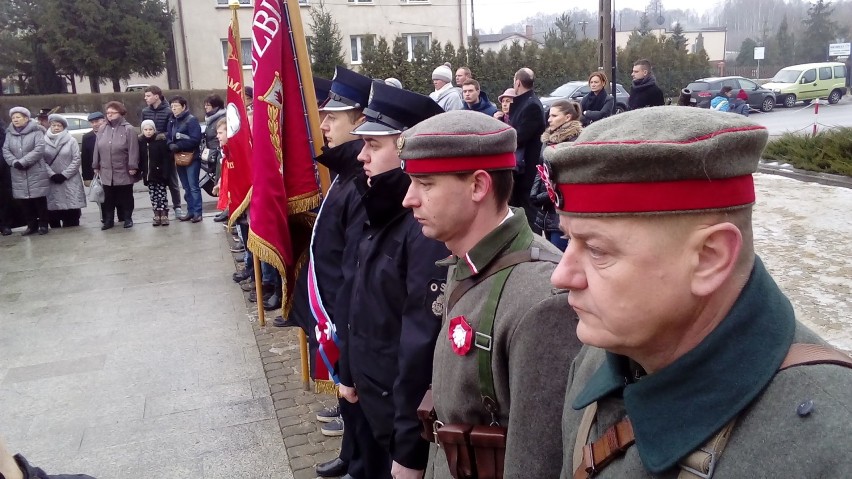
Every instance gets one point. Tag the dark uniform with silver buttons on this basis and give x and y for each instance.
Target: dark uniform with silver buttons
(392, 294)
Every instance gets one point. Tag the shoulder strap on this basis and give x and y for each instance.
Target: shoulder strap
(590, 458)
(801, 354)
(503, 262)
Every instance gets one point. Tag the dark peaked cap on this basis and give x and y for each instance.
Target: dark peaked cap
(349, 91)
(658, 160)
(393, 110)
(321, 88)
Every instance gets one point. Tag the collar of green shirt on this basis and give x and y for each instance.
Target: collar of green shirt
(677, 409)
(489, 248)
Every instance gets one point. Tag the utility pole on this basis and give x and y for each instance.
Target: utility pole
(605, 35)
(472, 20)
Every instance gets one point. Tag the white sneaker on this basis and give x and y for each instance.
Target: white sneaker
(178, 212)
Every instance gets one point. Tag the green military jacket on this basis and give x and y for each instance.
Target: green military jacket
(534, 341)
(733, 373)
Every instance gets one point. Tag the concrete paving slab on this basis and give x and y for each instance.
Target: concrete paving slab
(128, 353)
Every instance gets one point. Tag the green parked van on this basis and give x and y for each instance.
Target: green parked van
(808, 82)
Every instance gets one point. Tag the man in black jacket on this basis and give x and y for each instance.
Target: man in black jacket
(645, 91)
(314, 301)
(526, 115)
(392, 297)
(158, 111)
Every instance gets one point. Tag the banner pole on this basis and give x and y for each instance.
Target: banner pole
(258, 290)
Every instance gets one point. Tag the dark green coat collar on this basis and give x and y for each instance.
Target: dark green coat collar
(676, 410)
(489, 248)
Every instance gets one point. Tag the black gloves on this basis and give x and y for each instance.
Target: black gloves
(18, 165)
(173, 147)
(57, 178)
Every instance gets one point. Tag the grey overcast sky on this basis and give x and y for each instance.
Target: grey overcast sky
(491, 15)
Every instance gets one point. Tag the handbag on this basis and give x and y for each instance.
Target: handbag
(184, 158)
(96, 191)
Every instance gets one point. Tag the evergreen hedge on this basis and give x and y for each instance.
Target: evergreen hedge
(826, 152)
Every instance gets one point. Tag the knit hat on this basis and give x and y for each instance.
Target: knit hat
(21, 110)
(95, 116)
(509, 93)
(656, 161)
(443, 72)
(393, 110)
(148, 123)
(393, 82)
(58, 119)
(458, 141)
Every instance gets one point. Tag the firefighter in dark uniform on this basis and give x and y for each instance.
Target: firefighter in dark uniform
(342, 111)
(507, 339)
(394, 310)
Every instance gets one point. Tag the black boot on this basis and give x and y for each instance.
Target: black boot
(274, 302)
(5, 230)
(29, 231)
(107, 225)
(128, 223)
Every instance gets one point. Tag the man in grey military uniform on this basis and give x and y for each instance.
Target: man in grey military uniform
(699, 367)
(502, 357)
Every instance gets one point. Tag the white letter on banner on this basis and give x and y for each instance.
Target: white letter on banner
(265, 22)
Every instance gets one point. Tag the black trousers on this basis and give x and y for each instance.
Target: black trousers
(174, 187)
(60, 218)
(35, 212)
(118, 197)
(370, 459)
(350, 451)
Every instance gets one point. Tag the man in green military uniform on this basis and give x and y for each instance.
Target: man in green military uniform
(506, 342)
(699, 367)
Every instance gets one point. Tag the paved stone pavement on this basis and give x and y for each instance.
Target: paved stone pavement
(129, 354)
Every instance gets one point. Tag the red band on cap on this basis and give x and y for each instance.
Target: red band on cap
(428, 166)
(684, 195)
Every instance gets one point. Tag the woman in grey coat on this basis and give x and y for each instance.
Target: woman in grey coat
(62, 154)
(116, 160)
(23, 151)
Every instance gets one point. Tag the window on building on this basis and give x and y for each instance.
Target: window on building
(303, 2)
(245, 44)
(414, 1)
(360, 1)
(414, 39)
(356, 47)
(224, 3)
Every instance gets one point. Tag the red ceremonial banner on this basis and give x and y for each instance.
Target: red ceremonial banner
(236, 179)
(284, 181)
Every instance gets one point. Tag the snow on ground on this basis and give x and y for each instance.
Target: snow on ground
(803, 233)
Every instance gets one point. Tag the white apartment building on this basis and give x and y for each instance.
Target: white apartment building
(201, 28)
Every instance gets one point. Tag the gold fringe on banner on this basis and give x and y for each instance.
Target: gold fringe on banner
(304, 202)
(301, 229)
(324, 386)
(240, 209)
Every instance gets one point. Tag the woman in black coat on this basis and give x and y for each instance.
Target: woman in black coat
(597, 104)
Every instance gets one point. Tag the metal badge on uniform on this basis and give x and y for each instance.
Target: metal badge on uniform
(435, 297)
(461, 335)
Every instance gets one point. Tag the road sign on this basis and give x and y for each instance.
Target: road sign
(759, 53)
(838, 49)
